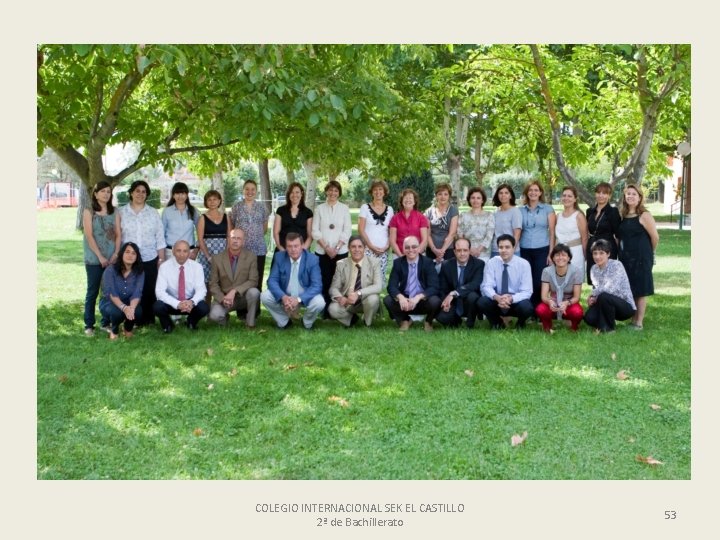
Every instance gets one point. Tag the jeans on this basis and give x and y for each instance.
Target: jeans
(115, 316)
(94, 279)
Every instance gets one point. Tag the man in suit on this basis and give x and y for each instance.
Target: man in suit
(355, 286)
(233, 282)
(413, 287)
(460, 280)
(180, 289)
(294, 283)
(506, 287)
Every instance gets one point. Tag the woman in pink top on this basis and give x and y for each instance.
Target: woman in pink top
(408, 222)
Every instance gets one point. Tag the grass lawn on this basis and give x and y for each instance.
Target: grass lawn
(360, 403)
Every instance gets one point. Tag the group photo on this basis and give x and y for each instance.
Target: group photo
(378, 262)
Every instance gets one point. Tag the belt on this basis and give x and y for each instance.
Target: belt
(573, 243)
(170, 247)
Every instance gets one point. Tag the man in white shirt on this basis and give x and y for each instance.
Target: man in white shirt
(180, 289)
(506, 287)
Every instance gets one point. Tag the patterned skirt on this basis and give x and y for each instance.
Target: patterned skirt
(214, 246)
(384, 259)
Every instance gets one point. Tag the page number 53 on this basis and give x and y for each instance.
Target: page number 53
(670, 514)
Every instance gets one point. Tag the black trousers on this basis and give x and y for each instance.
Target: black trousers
(537, 257)
(607, 309)
(428, 307)
(147, 300)
(163, 311)
(327, 270)
(451, 318)
(489, 307)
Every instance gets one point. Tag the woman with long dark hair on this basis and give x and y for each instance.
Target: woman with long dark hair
(122, 290)
(101, 244)
(179, 219)
(293, 216)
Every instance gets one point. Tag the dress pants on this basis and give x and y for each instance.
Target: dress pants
(451, 318)
(428, 307)
(489, 307)
(113, 313)
(277, 311)
(607, 309)
(327, 271)
(247, 302)
(573, 313)
(537, 257)
(368, 307)
(163, 311)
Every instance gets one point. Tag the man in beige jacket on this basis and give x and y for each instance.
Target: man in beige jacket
(355, 286)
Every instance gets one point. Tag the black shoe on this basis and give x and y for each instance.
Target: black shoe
(354, 320)
(168, 329)
(498, 326)
(191, 326)
(309, 328)
(288, 325)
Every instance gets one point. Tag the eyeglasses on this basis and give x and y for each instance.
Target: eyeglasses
(415, 246)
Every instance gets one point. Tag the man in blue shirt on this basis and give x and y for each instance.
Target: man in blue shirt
(506, 287)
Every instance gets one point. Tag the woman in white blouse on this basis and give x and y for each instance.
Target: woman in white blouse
(373, 221)
(331, 229)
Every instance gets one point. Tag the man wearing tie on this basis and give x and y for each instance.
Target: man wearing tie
(460, 280)
(295, 282)
(180, 289)
(413, 287)
(233, 282)
(506, 287)
(355, 286)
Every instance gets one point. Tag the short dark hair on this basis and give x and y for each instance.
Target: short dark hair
(496, 199)
(464, 240)
(560, 248)
(136, 184)
(601, 245)
(355, 237)
(477, 189)
(508, 237)
(137, 266)
(292, 236)
(335, 184)
(212, 193)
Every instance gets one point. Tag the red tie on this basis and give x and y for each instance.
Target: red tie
(181, 284)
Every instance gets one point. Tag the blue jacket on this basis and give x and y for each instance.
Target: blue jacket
(309, 276)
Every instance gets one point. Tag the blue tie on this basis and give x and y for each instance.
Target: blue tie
(505, 288)
(459, 300)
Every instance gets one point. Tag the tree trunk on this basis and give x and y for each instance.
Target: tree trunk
(264, 172)
(83, 203)
(453, 165)
(455, 144)
(290, 174)
(311, 188)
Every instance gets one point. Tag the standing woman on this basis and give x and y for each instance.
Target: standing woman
(331, 230)
(140, 223)
(603, 222)
(408, 221)
(571, 228)
(538, 234)
(508, 218)
(373, 221)
(179, 219)
(477, 225)
(638, 240)
(101, 244)
(213, 230)
(293, 216)
(443, 218)
(122, 290)
(250, 216)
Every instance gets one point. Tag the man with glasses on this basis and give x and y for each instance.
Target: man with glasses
(413, 287)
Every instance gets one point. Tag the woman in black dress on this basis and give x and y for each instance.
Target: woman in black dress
(603, 222)
(293, 216)
(638, 240)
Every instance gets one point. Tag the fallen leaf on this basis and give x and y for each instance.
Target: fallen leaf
(469, 372)
(631, 440)
(613, 356)
(233, 372)
(649, 460)
(210, 352)
(261, 331)
(518, 439)
(551, 331)
(211, 386)
(340, 401)
(290, 366)
(655, 407)
(308, 364)
(622, 375)
(197, 431)
(63, 379)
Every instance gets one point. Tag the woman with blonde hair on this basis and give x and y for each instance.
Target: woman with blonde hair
(443, 218)
(538, 234)
(571, 227)
(477, 225)
(638, 240)
(213, 230)
(408, 221)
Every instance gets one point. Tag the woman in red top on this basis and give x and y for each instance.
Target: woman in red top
(408, 221)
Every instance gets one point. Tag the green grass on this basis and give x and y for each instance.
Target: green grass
(130, 409)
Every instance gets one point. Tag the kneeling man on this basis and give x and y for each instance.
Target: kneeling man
(506, 287)
(295, 282)
(412, 287)
(460, 280)
(233, 282)
(180, 289)
(355, 286)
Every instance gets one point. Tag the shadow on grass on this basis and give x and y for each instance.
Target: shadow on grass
(60, 252)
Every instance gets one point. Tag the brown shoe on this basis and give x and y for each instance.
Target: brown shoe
(128, 334)
(428, 327)
(405, 325)
(112, 336)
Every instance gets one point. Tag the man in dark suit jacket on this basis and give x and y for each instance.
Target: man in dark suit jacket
(459, 298)
(233, 282)
(351, 296)
(289, 292)
(413, 287)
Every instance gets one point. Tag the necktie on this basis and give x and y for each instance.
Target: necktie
(181, 284)
(505, 288)
(293, 285)
(358, 286)
(233, 263)
(458, 300)
(412, 283)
